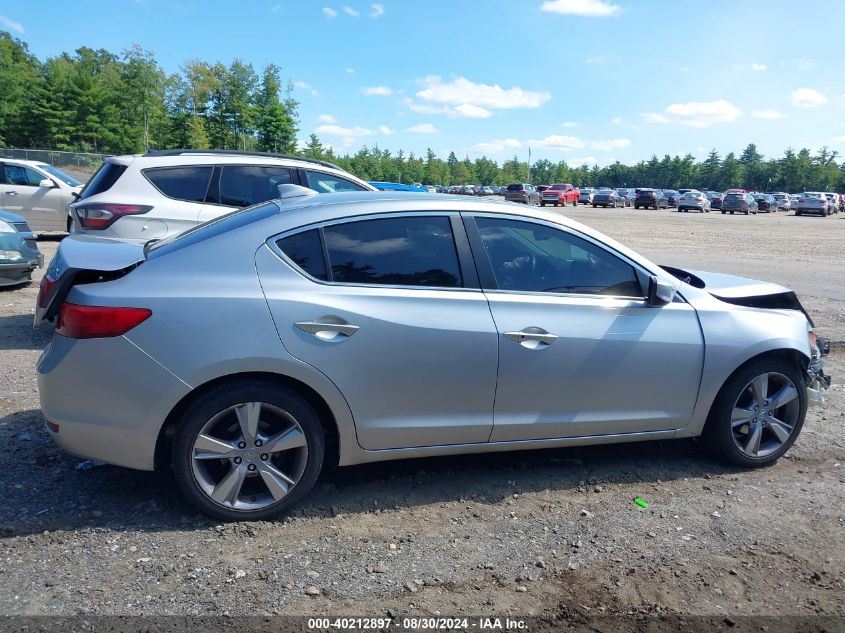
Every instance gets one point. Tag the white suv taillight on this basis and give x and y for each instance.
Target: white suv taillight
(103, 215)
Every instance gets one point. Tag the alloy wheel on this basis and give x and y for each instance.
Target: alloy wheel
(249, 456)
(765, 414)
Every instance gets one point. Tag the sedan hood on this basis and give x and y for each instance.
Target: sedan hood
(741, 290)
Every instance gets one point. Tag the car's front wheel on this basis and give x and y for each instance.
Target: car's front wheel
(248, 450)
(758, 414)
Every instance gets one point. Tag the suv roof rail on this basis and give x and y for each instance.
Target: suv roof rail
(237, 152)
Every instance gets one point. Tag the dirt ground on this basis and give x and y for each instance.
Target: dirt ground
(553, 533)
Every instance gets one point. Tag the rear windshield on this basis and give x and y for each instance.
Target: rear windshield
(558, 187)
(102, 180)
(735, 196)
(514, 187)
(646, 192)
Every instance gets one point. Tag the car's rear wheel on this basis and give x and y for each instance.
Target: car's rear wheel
(758, 414)
(248, 451)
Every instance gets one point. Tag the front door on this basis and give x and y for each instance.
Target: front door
(580, 351)
(43, 207)
(385, 309)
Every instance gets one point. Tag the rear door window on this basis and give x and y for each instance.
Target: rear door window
(102, 180)
(401, 251)
(188, 183)
(245, 185)
(306, 251)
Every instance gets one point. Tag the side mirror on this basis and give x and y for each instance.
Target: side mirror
(660, 292)
(47, 183)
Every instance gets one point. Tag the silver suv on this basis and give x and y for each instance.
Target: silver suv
(165, 192)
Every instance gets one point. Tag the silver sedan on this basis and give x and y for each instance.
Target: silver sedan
(253, 350)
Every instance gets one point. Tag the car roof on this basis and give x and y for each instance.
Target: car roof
(22, 161)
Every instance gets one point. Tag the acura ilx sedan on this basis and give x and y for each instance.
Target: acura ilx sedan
(252, 350)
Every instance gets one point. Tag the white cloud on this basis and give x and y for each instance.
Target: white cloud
(838, 140)
(327, 118)
(17, 27)
(351, 11)
(329, 12)
(593, 8)
(301, 85)
(800, 64)
(807, 98)
(470, 111)
(610, 144)
(376, 10)
(617, 120)
(698, 114)
(350, 71)
(755, 67)
(559, 142)
(571, 124)
(758, 67)
(383, 129)
(496, 146)
(584, 160)
(422, 128)
(461, 91)
(376, 91)
(768, 114)
(348, 132)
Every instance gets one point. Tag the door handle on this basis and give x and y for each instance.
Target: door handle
(11, 193)
(328, 328)
(532, 337)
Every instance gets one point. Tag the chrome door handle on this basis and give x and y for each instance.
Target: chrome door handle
(328, 328)
(11, 193)
(532, 337)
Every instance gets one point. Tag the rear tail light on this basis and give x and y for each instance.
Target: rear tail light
(47, 283)
(76, 321)
(103, 215)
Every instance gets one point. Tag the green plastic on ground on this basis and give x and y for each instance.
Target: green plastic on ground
(640, 502)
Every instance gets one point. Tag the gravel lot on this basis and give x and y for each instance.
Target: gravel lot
(554, 533)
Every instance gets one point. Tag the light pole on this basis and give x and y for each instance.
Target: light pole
(529, 164)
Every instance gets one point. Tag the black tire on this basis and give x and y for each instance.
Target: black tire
(542, 204)
(574, 203)
(209, 405)
(594, 205)
(723, 212)
(69, 223)
(797, 213)
(718, 434)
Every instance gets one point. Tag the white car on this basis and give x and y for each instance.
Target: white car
(815, 202)
(694, 200)
(38, 192)
(161, 193)
(833, 199)
(784, 201)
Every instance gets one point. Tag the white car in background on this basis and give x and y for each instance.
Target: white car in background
(814, 202)
(37, 192)
(784, 201)
(161, 193)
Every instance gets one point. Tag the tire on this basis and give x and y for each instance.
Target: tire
(594, 206)
(281, 412)
(575, 203)
(797, 213)
(723, 212)
(69, 224)
(543, 204)
(730, 437)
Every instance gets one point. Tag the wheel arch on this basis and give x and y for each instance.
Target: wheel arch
(328, 420)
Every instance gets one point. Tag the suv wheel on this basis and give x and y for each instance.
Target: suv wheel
(758, 413)
(248, 450)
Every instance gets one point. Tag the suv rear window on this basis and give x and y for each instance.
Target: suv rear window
(102, 180)
(515, 187)
(182, 183)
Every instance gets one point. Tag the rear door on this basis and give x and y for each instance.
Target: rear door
(384, 307)
(43, 207)
(238, 186)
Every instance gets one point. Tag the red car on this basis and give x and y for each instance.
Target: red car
(560, 193)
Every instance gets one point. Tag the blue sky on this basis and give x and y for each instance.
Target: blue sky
(580, 80)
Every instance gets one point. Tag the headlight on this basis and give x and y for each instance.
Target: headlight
(5, 227)
(815, 353)
(11, 255)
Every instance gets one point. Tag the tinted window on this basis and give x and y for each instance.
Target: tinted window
(102, 180)
(181, 183)
(515, 187)
(245, 185)
(58, 173)
(327, 183)
(535, 257)
(22, 176)
(306, 251)
(408, 251)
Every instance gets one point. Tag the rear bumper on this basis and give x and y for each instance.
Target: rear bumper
(108, 398)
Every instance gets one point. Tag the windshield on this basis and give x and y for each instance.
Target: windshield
(558, 187)
(58, 173)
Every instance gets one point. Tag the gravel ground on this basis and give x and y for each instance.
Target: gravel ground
(553, 533)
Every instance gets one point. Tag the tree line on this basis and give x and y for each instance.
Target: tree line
(117, 103)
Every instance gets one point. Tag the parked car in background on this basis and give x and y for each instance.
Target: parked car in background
(833, 199)
(487, 191)
(715, 198)
(694, 200)
(585, 195)
(627, 195)
(783, 200)
(560, 193)
(672, 197)
(793, 200)
(542, 188)
(738, 202)
(168, 191)
(812, 203)
(606, 197)
(522, 192)
(19, 254)
(38, 192)
(646, 198)
(382, 185)
(766, 202)
(304, 308)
